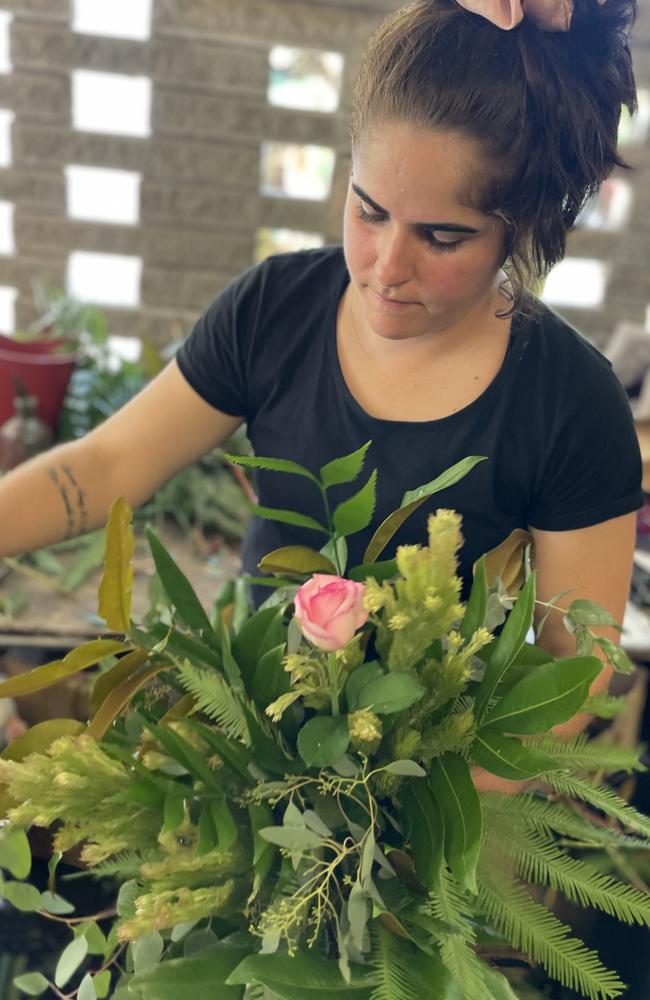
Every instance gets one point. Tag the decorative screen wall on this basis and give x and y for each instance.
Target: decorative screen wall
(150, 150)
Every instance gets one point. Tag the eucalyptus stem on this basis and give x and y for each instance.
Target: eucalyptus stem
(332, 668)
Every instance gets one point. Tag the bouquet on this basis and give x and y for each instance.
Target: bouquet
(284, 796)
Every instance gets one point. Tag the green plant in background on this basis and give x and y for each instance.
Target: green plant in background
(284, 796)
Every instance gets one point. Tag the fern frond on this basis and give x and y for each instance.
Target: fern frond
(457, 949)
(215, 697)
(546, 816)
(602, 798)
(605, 706)
(537, 860)
(584, 754)
(533, 930)
(395, 979)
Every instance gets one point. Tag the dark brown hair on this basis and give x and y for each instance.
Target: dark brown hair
(544, 106)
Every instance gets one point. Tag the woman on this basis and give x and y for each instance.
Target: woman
(478, 132)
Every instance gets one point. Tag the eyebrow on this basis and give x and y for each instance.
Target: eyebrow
(444, 227)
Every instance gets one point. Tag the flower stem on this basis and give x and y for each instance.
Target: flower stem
(334, 682)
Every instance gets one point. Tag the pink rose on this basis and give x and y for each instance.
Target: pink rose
(330, 610)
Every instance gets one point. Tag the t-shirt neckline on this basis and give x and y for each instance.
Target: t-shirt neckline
(476, 404)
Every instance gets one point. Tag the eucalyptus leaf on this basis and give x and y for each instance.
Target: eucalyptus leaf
(71, 958)
(147, 952)
(323, 740)
(291, 837)
(102, 983)
(15, 853)
(32, 983)
(355, 514)
(582, 612)
(86, 989)
(53, 903)
(22, 895)
(408, 768)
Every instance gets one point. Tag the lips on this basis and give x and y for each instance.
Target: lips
(391, 303)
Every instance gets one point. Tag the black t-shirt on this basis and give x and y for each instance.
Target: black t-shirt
(554, 423)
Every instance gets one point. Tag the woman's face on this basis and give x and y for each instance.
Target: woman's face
(420, 258)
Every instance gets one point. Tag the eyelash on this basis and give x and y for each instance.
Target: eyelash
(429, 237)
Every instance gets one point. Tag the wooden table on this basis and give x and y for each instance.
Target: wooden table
(54, 619)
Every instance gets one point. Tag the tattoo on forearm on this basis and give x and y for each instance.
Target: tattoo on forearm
(80, 500)
(70, 532)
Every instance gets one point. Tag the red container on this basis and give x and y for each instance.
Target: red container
(43, 372)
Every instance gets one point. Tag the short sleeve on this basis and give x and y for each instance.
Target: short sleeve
(211, 357)
(592, 471)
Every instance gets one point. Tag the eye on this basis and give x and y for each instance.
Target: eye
(446, 247)
(367, 215)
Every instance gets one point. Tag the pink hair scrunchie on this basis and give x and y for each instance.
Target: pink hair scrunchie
(548, 15)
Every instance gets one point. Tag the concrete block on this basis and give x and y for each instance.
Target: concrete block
(199, 204)
(206, 115)
(36, 96)
(184, 290)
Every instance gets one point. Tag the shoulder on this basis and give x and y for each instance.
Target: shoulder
(287, 275)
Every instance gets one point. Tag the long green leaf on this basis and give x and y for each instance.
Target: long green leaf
(289, 517)
(504, 652)
(109, 680)
(345, 469)
(410, 503)
(273, 465)
(78, 659)
(477, 604)
(356, 513)
(117, 580)
(39, 737)
(178, 588)
(547, 696)
(119, 698)
(451, 784)
(306, 971)
(507, 757)
(426, 831)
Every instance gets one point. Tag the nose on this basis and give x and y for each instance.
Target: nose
(393, 263)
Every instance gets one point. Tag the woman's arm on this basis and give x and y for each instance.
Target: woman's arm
(68, 490)
(596, 562)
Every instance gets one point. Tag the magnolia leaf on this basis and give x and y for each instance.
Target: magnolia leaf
(117, 580)
(410, 503)
(547, 696)
(582, 612)
(296, 559)
(22, 895)
(452, 786)
(273, 465)
(119, 698)
(323, 740)
(504, 651)
(178, 588)
(507, 757)
(356, 513)
(78, 659)
(39, 737)
(15, 853)
(270, 679)
(344, 470)
(201, 976)
(70, 960)
(33, 984)
(506, 562)
(262, 631)
(426, 831)
(289, 517)
(109, 680)
(409, 768)
(380, 571)
(358, 679)
(391, 693)
(53, 903)
(476, 606)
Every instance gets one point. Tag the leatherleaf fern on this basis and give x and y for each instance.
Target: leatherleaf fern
(287, 797)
